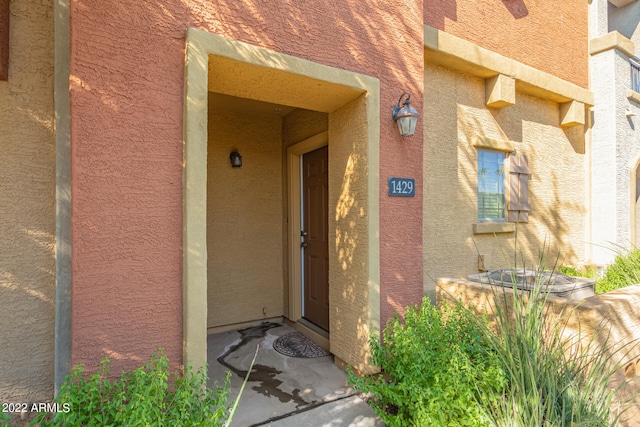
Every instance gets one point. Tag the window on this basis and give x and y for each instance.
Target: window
(635, 73)
(491, 191)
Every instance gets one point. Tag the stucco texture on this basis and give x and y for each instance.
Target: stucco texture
(27, 208)
(514, 27)
(456, 114)
(244, 226)
(626, 20)
(127, 64)
(616, 153)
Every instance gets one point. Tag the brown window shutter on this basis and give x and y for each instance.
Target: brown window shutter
(519, 174)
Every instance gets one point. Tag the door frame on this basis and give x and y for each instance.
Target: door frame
(294, 155)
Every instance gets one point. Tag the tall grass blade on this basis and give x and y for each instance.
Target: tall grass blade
(246, 379)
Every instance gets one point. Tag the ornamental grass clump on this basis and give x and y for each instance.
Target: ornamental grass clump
(523, 362)
(436, 365)
(554, 377)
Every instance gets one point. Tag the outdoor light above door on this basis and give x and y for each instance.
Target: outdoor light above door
(406, 117)
(236, 159)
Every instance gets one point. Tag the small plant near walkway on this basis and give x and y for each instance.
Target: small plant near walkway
(147, 396)
(436, 365)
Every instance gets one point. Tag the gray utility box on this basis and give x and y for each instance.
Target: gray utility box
(557, 284)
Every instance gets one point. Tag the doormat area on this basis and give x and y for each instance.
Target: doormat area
(294, 344)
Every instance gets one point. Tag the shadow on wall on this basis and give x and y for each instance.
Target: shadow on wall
(27, 208)
(625, 20)
(351, 291)
(517, 8)
(437, 13)
(357, 27)
(128, 151)
(556, 191)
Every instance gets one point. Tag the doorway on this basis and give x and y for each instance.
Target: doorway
(315, 236)
(221, 65)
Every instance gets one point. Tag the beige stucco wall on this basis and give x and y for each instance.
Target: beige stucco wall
(27, 208)
(454, 113)
(244, 219)
(354, 304)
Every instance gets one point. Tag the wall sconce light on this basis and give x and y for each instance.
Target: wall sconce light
(406, 117)
(236, 159)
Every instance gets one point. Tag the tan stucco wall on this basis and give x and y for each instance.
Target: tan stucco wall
(354, 309)
(27, 208)
(244, 219)
(455, 113)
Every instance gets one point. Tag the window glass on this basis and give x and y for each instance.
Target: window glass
(491, 197)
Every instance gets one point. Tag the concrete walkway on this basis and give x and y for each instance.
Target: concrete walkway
(284, 391)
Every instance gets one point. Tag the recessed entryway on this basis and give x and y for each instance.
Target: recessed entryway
(351, 103)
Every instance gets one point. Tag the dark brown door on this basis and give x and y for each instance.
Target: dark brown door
(315, 236)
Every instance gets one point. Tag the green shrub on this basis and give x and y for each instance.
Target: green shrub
(4, 419)
(147, 396)
(623, 272)
(590, 272)
(436, 365)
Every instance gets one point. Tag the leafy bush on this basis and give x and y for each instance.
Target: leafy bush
(4, 419)
(147, 396)
(436, 365)
(623, 272)
(590, 272)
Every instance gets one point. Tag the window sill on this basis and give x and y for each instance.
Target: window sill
(493, 227)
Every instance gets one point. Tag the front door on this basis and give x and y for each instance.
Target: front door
(315, 237)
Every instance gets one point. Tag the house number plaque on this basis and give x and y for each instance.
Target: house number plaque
(403, 187)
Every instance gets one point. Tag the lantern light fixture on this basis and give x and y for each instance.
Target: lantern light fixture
(236, 159)
(406, 116)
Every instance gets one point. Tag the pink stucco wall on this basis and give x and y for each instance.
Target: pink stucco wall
(127, 64)
(549, 35)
